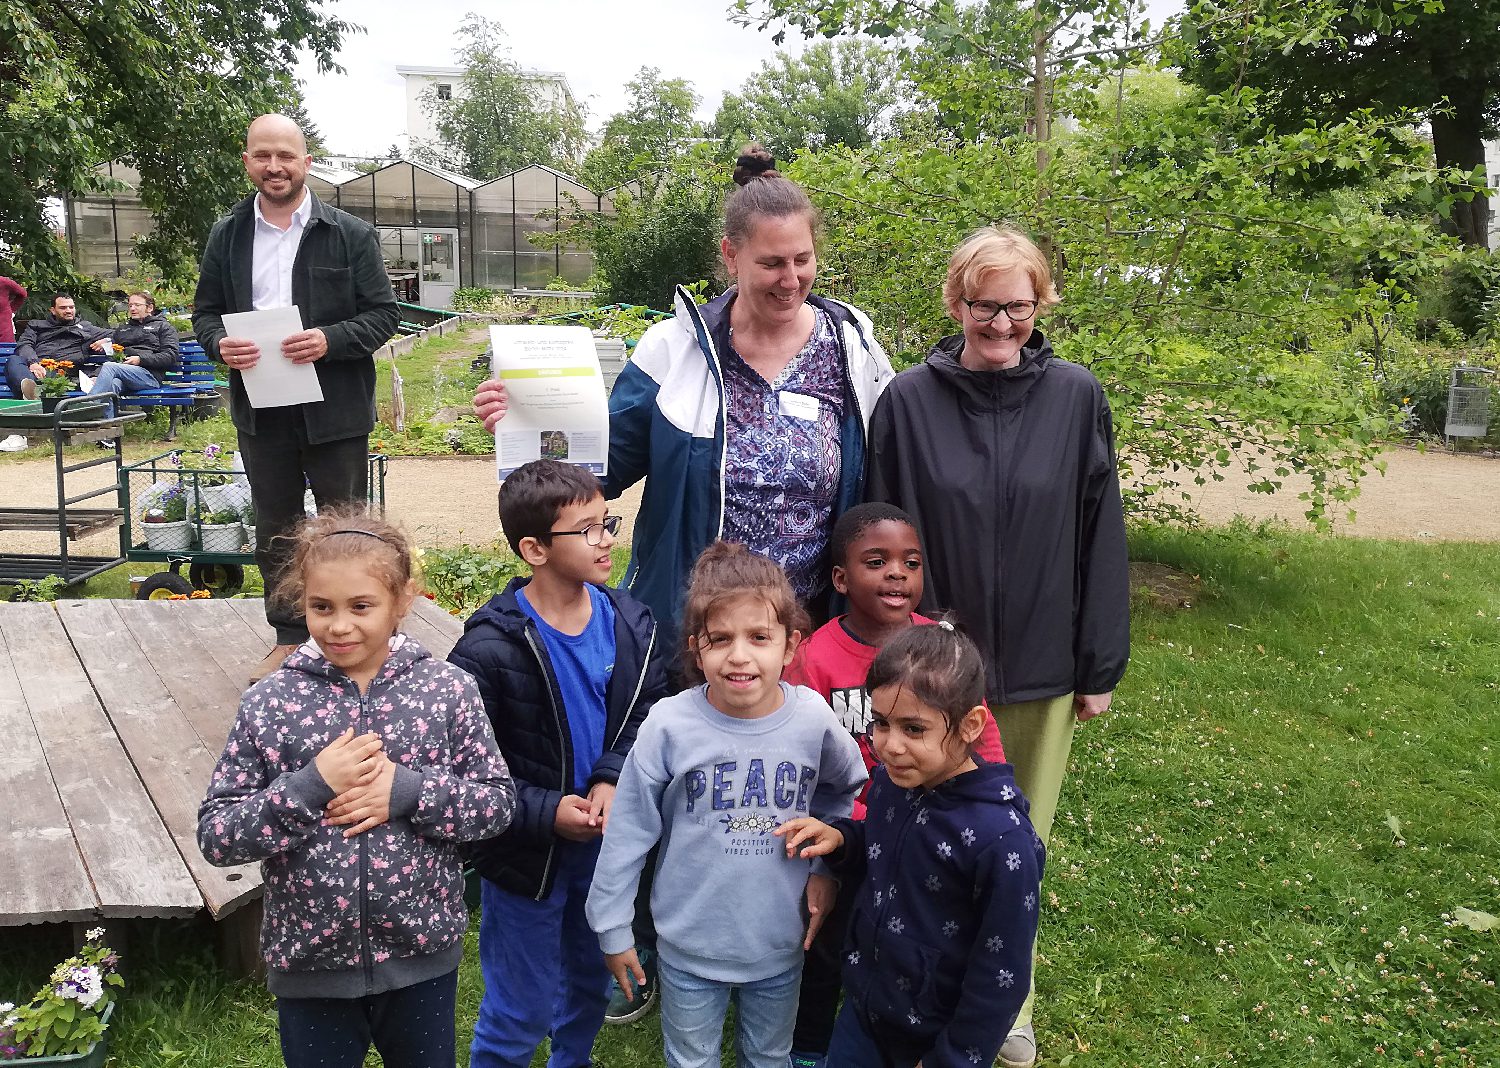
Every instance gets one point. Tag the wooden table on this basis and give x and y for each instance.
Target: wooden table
(113, 714)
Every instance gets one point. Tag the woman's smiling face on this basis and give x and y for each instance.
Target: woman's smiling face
(774, 268)
(997, 344)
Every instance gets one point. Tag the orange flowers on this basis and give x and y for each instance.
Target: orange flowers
(58, 366)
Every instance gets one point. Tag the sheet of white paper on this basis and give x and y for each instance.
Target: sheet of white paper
(84, 381)
(274, 381)
(557, 405)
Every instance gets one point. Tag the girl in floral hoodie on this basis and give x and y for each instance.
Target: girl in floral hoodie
(352, 773)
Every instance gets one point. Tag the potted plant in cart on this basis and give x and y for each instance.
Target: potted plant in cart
(67, 1021)
(164, 520)
(219, 531)
(248, 518)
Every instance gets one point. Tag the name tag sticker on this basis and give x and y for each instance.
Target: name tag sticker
(799, 406)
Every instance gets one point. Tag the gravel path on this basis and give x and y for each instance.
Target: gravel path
(444, 501)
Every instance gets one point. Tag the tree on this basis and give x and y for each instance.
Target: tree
(89, 83)
(1213, 290)
(656, 126)
(666, 235)
(497, 120)
(1436, 61)
(296, 110)
(843, 92)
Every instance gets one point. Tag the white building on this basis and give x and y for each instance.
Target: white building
(552, 88)
(1492, 168)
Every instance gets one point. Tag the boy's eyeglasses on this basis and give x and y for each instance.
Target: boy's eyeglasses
(984, 311)
(594, 532)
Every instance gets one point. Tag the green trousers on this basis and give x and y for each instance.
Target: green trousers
(1038, 736)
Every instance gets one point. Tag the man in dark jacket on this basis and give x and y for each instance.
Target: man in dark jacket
(278, 248)
(60, 336)
(148, 350)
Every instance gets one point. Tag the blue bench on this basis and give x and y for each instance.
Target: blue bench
(195, 380)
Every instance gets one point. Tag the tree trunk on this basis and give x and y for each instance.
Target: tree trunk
(1458, 141)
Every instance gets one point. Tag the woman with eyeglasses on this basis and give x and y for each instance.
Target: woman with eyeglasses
(1005, 455)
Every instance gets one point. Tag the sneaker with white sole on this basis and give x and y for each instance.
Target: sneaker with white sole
(14, 443)
(1019, 1048)
(28, 388)
(623, 1011)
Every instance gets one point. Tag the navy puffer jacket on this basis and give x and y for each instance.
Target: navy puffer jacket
(503, 650)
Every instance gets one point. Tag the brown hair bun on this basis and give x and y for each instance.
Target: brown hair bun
(755, 161)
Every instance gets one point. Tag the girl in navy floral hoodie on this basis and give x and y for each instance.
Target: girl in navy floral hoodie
(352, 773)
(947, 864)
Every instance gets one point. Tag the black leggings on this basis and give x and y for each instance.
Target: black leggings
(411, 1027)
(818, 1002)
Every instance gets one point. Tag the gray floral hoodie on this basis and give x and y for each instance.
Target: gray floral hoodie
(384, 909)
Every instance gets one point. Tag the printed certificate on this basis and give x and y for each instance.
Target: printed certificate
(557, 406)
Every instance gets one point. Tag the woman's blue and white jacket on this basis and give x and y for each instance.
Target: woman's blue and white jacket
(666, 425)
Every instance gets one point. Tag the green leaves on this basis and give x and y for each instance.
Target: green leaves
(500, 121)
(90, 83)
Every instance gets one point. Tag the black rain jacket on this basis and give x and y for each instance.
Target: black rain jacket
(338, 283)
(1011, 478)
(154, 340)
(502, 648)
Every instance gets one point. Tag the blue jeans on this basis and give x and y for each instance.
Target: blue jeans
(122, 378)
(544, 973)
(693, 1010)
(854, 1045)
(411, 1027)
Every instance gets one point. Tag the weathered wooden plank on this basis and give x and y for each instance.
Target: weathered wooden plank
(252, 610)
(434, 627)
(163, 744)
(135, 868)
(42, 877)
(202, 652)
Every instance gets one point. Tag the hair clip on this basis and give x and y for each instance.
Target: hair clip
(947, 626)
(351, 530)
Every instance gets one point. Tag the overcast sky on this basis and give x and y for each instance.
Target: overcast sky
(598, 44)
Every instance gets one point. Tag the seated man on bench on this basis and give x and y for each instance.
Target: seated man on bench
(60, 336)
(150, 350)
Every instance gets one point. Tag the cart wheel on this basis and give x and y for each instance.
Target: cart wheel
(221, 580)
(162, 585)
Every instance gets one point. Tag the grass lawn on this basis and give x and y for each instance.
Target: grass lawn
(1260, 853)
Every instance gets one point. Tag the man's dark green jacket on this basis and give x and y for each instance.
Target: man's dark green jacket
(340, 285)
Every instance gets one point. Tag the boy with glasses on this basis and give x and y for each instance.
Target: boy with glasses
(568, 668)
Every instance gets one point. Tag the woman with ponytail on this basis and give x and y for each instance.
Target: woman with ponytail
(747, 415)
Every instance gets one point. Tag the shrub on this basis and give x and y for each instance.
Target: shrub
(462, 578)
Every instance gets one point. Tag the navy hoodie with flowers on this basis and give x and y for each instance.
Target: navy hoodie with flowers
(346, 917)
(939, 954)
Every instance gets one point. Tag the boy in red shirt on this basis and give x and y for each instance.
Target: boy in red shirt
(877, 566)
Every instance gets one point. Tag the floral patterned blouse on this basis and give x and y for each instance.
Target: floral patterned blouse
(783, 459)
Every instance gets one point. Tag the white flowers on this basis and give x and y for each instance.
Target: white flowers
(93, 934)
(83, 984)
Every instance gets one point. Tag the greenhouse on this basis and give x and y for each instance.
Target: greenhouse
(439, 231)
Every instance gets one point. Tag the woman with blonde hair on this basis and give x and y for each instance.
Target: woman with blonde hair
(1005, 455)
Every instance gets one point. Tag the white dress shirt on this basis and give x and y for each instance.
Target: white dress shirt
(273, 255)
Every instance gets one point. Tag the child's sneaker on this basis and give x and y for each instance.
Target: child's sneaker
(1019, 1050)
(621, 1011)
(808, 1060)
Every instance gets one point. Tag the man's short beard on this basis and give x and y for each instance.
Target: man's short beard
(293, 196)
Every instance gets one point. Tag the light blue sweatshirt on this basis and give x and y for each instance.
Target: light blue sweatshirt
(727, 900)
